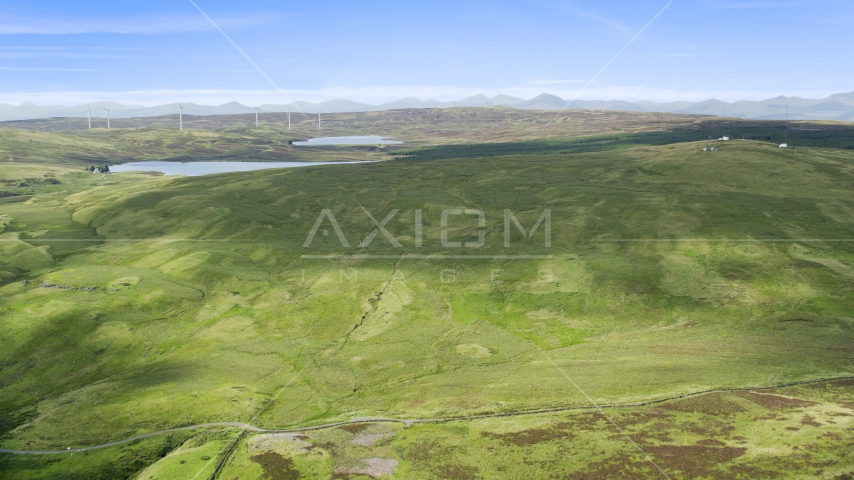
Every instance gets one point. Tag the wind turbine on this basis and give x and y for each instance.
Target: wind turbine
(256, 116)
(289, 117)
(787, 126)
(319, 124)
(108, 115)
(180, 118)
(89, 114)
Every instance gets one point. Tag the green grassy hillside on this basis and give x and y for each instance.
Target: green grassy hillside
(160, 302)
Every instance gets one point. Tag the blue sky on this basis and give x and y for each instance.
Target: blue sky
(154, 51)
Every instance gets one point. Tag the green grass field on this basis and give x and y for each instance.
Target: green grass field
(136, 303)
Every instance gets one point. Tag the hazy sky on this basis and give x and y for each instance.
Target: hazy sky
(155, 51)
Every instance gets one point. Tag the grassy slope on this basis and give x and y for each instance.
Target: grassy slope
(181, 332)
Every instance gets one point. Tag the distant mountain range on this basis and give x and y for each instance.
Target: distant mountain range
(835, 107)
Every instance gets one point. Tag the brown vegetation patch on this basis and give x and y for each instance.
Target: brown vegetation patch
(750, 471)
(617, 467)
(585, 422)
(711, 442)
(693, 460)
(354, 427)
(276, 467)
(372, 467)
(709, 404)
(533, 436)
(809, 420)
(644, 437)
(708, 427)
(425, 452)
(456, 471)
(806, 464)
(644, 417)
(773, 401)
(652, 432)
(439, 460)
(328, 446)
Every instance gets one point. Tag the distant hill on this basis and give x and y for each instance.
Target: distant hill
(839, 106)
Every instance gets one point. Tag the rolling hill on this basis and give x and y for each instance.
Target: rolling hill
(135, 304)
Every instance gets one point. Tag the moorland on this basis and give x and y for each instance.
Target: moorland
(649, 326)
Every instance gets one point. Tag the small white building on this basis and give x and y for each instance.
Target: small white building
(726, 139)
(784, 145)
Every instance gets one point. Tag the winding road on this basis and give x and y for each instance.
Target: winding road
(252, 428)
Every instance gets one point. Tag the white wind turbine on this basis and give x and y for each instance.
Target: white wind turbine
(180, 118)
(289, 117)
(319, 123)
(89, 114)
(256, 116)
(108, 115)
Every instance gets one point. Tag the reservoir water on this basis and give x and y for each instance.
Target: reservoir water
(361, 140)
(194, 169)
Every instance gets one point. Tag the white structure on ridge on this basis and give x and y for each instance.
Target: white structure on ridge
(710, 147)
(108, 115)
(89, 114)
(180, 118)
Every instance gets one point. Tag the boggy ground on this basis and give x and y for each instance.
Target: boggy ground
(791, 432)
(781, 433)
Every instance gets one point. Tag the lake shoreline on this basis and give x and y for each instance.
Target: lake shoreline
(195, 169)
